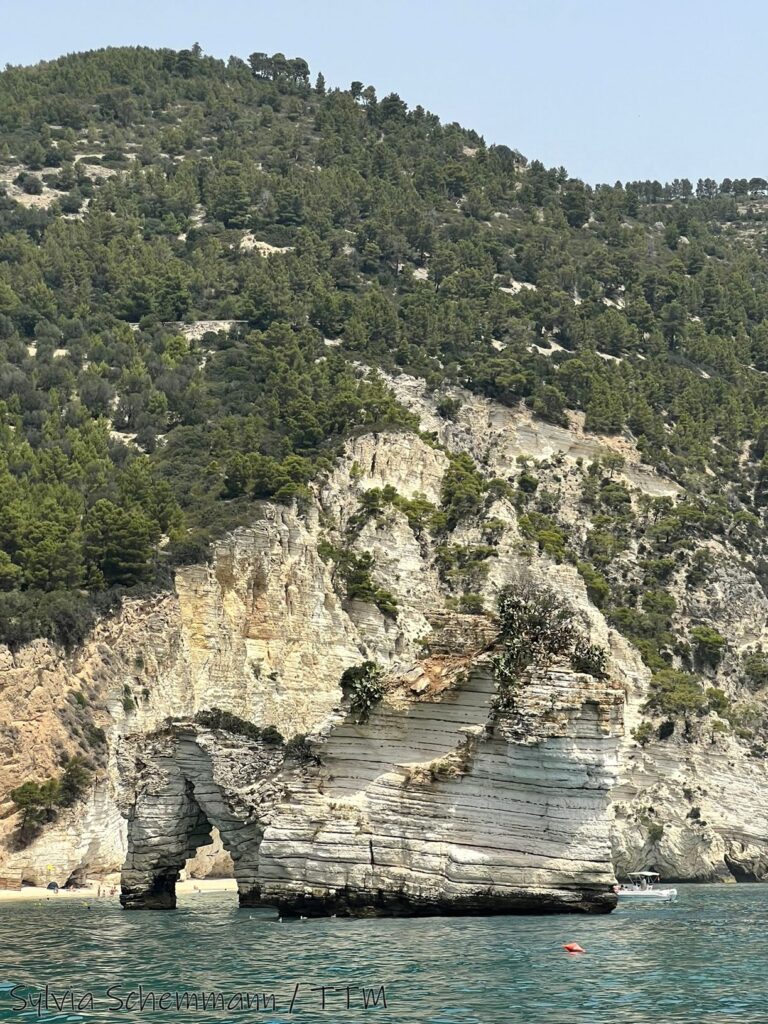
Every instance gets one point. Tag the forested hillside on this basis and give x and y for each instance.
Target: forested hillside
(201, 261)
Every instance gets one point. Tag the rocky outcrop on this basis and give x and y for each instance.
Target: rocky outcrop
(694, 813)
(435, 803)
(446, 814)
(496, 435)
(691, 805)
(211, 860)
(179, 782)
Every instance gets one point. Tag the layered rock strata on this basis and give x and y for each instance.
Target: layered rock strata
(265, 633)
(434, 805)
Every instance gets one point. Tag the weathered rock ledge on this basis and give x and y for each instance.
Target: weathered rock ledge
(433, 806)
(360, 903)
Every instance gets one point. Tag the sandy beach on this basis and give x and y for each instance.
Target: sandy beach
(189, 887)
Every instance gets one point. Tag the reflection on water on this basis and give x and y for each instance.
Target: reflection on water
(700, 960)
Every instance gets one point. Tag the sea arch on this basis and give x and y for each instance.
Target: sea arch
(185, 780)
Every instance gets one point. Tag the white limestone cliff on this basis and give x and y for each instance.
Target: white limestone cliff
(262, 633)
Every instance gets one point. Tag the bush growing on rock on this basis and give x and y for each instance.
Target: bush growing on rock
(463, 566)
(298, 747)
(676, 693)
(28, 800)
(29, 183)
(269, 734)
(353, 572)
(420, 513)
(39, 802)
(463, 489)
(598, 588)
(472, 604)
(708, 644)
(535, 629)
(74, 780)
(61, 616)
(589, 658)
(545, 531)
(216, 718)
(717, 700)
(755, 668)
(643, 733)
(700, 567)
(362, 684)
(527, 482)
(448, 408)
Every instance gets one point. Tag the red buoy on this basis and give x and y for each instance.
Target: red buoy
(573, 947)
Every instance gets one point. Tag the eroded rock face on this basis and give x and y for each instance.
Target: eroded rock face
(433, 800)
(434, 805)
(496, 435)
(260, 634)
(447, 814)
(211, 860)
(181, 781)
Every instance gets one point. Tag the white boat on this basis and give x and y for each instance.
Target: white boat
(642, 886)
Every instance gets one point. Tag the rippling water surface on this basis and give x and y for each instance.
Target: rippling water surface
(702, 959)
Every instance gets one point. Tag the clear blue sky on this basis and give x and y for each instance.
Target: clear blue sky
(607, 88)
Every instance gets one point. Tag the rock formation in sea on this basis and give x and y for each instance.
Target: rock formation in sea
(222, 707)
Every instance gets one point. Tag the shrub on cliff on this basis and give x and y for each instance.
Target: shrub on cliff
(543, 529)
(589, 658)
(74, 781)
(534, 625)
(299, 748)
(463, 489)
(472, 604)
(717, 700)
(463, 566)
(643, 733)
(420, 513)
(28, 799)
(448, 408)
(755, 668)
(598, 588)
(64, 617)
(676, 694)
(39, 802)
(353, 573)
(536, 628)
(708, 645)
(216, 718)
(363, 686)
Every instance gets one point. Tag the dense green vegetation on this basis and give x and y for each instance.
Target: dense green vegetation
(40, 802)
(536, 628)
(136, 184)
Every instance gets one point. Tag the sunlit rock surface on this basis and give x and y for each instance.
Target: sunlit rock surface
(432, 804)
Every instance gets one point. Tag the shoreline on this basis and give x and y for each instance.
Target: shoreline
(189, 887)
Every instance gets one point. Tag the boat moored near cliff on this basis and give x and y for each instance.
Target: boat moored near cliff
(642, 886)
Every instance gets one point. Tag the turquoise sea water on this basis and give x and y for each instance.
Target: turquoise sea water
(703, 959)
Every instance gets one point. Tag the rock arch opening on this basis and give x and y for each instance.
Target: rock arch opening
(183, 789)
(211, 861)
